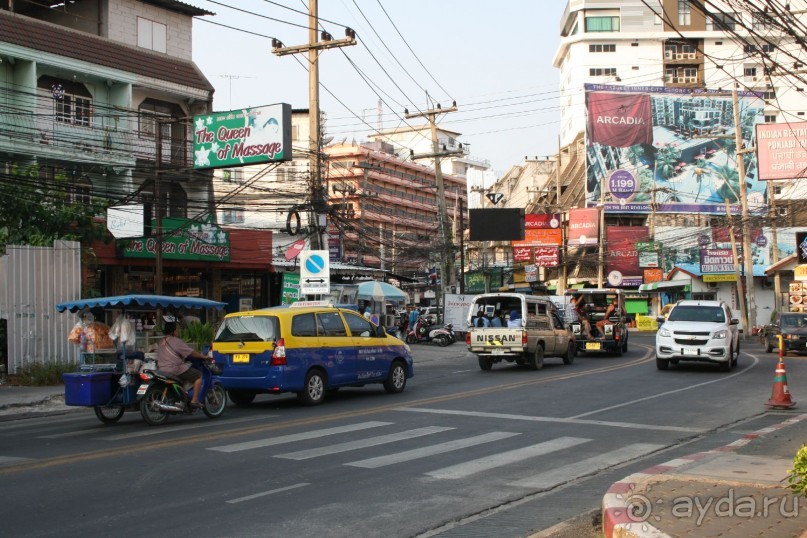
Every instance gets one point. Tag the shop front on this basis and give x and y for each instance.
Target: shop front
(198, 260)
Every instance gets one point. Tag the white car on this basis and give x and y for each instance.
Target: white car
(702, 331)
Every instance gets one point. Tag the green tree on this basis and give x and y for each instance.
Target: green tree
(666, 159)
(635, 154)
(37, 211)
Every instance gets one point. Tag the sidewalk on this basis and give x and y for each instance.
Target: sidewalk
(16, 401)
(735, 490)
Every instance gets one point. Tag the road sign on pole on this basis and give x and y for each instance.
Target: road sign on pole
(315, 272)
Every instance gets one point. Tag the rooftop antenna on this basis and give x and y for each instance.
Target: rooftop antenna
(231, 77)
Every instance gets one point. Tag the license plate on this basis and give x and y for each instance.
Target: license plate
(593, 346)
(141, 390)
(497, 352)
(241, 358)
(689, 351)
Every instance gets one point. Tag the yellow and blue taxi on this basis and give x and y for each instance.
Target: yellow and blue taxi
(307, 348)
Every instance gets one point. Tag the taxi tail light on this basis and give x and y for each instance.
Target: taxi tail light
(279, 354)
(524, 339)
(468, 338)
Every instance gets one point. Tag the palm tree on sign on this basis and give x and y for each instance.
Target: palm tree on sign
(700, 171)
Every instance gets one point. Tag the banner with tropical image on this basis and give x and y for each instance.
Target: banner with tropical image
(672, 148)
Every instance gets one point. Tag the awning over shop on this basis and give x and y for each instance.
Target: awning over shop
(667, 285)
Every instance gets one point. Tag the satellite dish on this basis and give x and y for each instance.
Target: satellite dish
(327, 140)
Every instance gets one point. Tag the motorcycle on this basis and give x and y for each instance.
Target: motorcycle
(162, 394)
(422, 333)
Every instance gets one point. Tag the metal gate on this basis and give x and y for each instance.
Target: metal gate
(33, 280)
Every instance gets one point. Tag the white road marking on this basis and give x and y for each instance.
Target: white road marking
(361, 443)
(442, 448)
(314, 434)
(265, 493)
(10, 459)
(554, 477)
(552, 419)
(667, 393)
(468, 468)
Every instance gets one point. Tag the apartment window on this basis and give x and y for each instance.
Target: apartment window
(750, 71)
(602, 24)
(72, 103)
(770, 118)
(691, 74)
(232, 216)
(724, 21)
(80, 192)
(777, 190)
(602, 48)
(151, 112)
(233, 175)
(769, 95)
(602, 72)
(768, 47)
(152, 35)
(760, 21)
(684, 13)
(749, 48)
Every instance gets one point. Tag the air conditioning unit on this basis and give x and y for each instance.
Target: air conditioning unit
(711, 285)
(668, 54)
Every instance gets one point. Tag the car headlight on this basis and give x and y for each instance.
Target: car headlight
(791, 337)
(720, 335)
(664, 332)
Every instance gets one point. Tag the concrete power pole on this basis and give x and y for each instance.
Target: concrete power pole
(745, 224)
(314, 138)
(447, 260)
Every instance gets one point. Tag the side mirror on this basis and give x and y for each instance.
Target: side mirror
(735, 321)
(660, 319)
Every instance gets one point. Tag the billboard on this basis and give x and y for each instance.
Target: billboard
(506, 224)
(242, 137)
(622, 258)
(541, 230)
(584, 227)
(782, 150)
(671, 147)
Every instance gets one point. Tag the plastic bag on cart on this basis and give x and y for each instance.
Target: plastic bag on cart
(123, 331)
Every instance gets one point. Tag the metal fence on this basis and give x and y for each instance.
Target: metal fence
(33, 280)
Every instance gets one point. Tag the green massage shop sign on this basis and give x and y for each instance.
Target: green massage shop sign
(242, 137)
(183, 239)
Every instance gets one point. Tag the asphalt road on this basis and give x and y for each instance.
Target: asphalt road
(461, 452)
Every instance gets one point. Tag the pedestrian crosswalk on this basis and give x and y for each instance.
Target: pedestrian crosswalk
(432, 446)
(434, 451)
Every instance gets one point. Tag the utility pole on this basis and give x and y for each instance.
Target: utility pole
(601, 263)
(447, 251)
(158, 219)
(777, 279)
(314, 137)
(745, 224)
(736, 259)
(462, 247)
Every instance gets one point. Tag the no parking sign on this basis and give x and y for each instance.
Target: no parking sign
(315, 272)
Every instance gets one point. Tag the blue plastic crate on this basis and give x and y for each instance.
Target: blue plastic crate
(95, 388)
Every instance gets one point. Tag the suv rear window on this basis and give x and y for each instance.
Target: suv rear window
(706, 314)
(248, 329)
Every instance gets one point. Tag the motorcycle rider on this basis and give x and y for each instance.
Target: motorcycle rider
(172, 352)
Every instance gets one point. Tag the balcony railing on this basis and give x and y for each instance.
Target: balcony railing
(107, 140)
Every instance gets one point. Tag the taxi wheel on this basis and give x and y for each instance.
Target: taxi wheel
(396, 380)
(241, 397)
(313, 392)
(570, 353)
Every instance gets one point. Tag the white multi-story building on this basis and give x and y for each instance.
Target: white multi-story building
(671, 43)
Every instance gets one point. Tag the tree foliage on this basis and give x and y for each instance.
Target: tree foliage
(37, 211)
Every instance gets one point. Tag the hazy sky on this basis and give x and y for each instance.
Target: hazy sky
(493, 58)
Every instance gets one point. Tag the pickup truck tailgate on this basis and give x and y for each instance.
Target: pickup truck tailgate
(497, 341)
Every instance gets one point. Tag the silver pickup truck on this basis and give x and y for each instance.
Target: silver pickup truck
(518, 328)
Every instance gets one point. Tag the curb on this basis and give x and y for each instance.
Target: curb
(617, 518)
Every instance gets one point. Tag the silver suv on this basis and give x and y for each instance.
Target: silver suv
(698, 331)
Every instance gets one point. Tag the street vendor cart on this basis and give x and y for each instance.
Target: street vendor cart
(105, 379)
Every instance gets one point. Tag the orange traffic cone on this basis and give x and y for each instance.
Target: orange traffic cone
(781, 395)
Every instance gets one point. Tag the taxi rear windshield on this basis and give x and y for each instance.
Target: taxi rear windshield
(248, 329)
